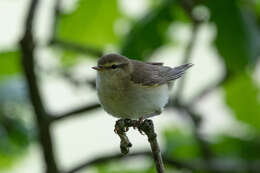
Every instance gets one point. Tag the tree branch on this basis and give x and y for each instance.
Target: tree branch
(57, 117)
(27, 45)
(147, 127)
(196, 119)
(187, 57)
(208, 89)
(220, 165)
(66, 45)
(112, 157)
(56, 18)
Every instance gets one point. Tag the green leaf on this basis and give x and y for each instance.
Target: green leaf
(91, 23)
(236, 148)
(149, 33)
(235, 41)
(14, 140)
(181, 145)
(9, 63)
(242, 96)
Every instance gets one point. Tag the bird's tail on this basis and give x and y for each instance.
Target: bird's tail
(177, 72)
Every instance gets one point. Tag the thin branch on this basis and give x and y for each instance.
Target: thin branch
(220, 165)
(27, 45)
(187, 57)
(56, 18)
(72, 113)
(77, 47)
(112, 157)
(195, 117)
(208, 89)
(196, 120)
(147, 127)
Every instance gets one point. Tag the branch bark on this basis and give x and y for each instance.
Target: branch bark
(147, 127)
(27, 45)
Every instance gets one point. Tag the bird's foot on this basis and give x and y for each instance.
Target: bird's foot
(138, 125)
(119, 126)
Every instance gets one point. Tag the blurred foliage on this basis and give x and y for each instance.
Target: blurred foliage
(96, 33)
(116, 168)
(237, 148)
(14, 138)
(16, 132)
(149, 33)
(181, 145)
(242, 96)
(91, 23)
(10, 64)
(14, 135)
(235, 41)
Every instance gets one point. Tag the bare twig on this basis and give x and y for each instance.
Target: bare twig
(195, 117)
(116, 156)
(55, 19)
(77, 47)
(221, 165)
(187, 57)
(147, 127)
(27, 45)
(71, 113)
(208, 89)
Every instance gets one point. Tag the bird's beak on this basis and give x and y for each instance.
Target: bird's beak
(98, 68)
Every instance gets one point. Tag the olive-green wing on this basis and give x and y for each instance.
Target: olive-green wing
(154, 75)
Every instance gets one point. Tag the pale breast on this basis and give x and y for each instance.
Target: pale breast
(131, 100)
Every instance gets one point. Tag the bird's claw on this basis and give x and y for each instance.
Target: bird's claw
(138, 125)
(117, 127)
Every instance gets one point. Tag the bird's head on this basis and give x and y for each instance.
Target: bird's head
(113, 65)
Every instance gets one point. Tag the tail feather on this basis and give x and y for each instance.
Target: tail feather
(177, 72)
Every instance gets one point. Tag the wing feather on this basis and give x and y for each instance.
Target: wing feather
(155, 74)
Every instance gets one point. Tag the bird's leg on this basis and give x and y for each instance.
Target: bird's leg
(121, 127)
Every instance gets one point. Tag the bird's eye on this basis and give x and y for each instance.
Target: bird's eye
(114, 66)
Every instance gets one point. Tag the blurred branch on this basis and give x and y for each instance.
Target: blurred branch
(77, 82)
(207, 90)
(188, 5)
(55, 19)
(27, 45)
(147, 127)
(196, 120)
(66, 45)
(56, 117)
(195, 117)
(221, 165)
(187, 57)
(117, 156)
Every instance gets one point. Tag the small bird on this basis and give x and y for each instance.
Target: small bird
(134, 89)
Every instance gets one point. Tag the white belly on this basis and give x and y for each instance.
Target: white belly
(131, 101)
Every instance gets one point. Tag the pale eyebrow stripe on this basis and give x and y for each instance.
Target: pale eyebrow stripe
(109, 65)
